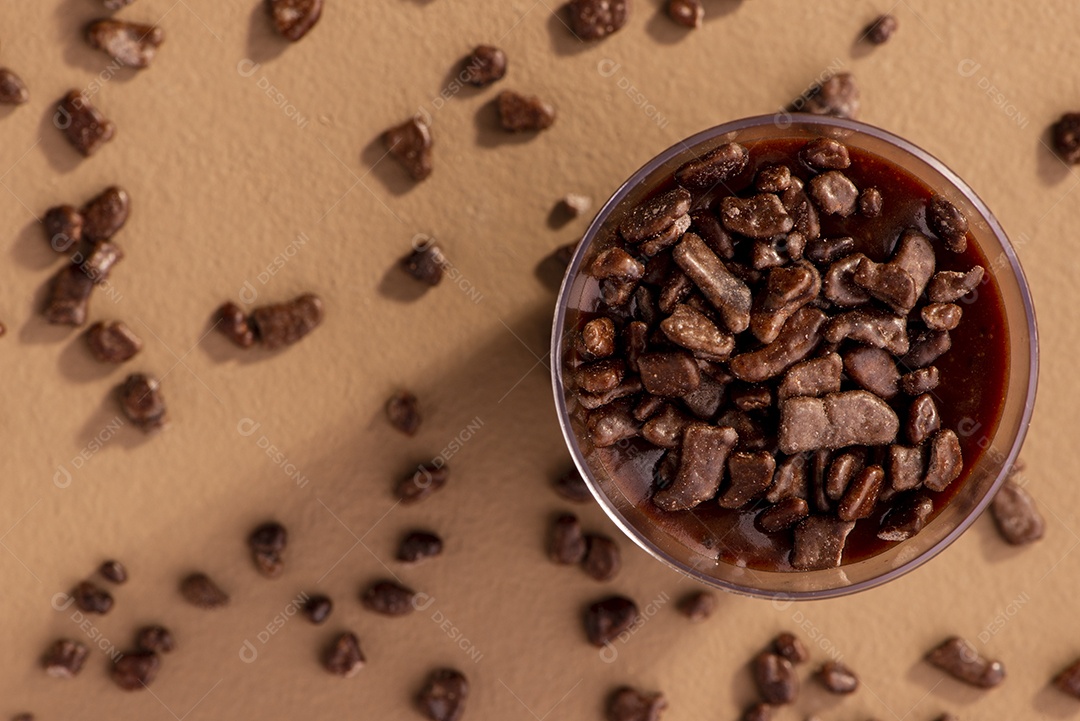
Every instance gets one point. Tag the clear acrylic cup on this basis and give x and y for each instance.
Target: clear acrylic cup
(1001, 446)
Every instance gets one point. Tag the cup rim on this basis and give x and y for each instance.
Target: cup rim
(558, 330)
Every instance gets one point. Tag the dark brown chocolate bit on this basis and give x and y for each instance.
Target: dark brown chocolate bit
(862, 494)
(566, 543)
(814, 377)
(113, 342)
(600, 376)
(704, 455)
(595, 19)
(665, 429)
(950, 286)
(758, 712)
(65, 658)
(831, 250)
(1068, 681)
(83, 124)
(99, 263)
(835, 421)
(1015, 514)
(411, 145)
(598, 338)
(838, 96)
(760, 216)
(669, 374)
(776, 679)
(962, 661)
(834, 193)
(791, 647)
(155, 638)
(343, 657)
(132, 45)
(607, 618)
(63, 227)
(284, 324)
(750, 475)
(142, 402)
(843, 468)
(907, 466)
(729, 295)
(12, 88)
(425, 263)
(825, 154)
(927, 347)
(267, 544)
(870, 203)
(444, 694)
(920, 381)
(106, 214)
(318, 608)
(799, 336)
(773, 179)
(688, 13)
(802, 211)
(874, 370)
(113, 571)
(695, 332)
(819, 543)
(947, 223)
(403, 412)
(887, 282)
(420, 484)
(389, 598)
(697, 605)
(837, 678)
(90, 598)
(571, 486)
(485, 65)
(881, 29)
(716, 167)
(69, 296)
(602, 561)
(616, 263)
(750, 397)
(235, 325)
(907, 517)
(418, 546)
(782, 515)
(709, 228)
(293, 19)
(524, 113)
(135, 670)
(655, 215)
(871, 327)
(946, 461)
(630, 704)
(1065, 136)
(612, 423)
(923, 419)
(199, 590)
(941, 316)
(786, 290)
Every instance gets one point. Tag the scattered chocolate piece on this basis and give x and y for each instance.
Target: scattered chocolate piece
(945, 462)
(814, 377)
(962, 661)
(728, 294)
(105, 214)
(100, 261)
(403, 412)
(825, 154)
(113, 342)
(132, 45)
(69, 296)
(113, 571)
(135, 670)
(819, 543)
(574, 205)
(267, 543)
(862, 494)
(920, 381)
(834, 193)
(1068, 681)
(83, 124)
(758, 712)
(602, 561)
(838, 96)
(907, 466)
(715, 168)
(155, 638)
(65, 658)
(425, 263)
(759, 216)
(318, 608)
(598, 338)
(293, 19)
(837, 420)
(698, 605)
(444, 694)
(595, 19)
(235, 325)
(688, 13)
(870, 203)
(749, 476)
(343, 657)
(63, 227)
(571, 486)
(142, 402)
(790, 647)
(923, 419)
(873, 369)
(91, 598)
(947, 223)
(881, 29)
(199, 590)
(484, 66)
(418, 546)
(1065, 136)
(950, 286)
(607, 618)
(12, 88)
(282, 324)
(117, 4)
(427, 479)
(524, 113)
(782, 515)
(410, 143)
(837, 678)
(630, 704)
(704, 455)
(1015, 514)
(655, 215)
(907, 517)
(694, 331)
(566, 541)
(776, 680)
(389, 598)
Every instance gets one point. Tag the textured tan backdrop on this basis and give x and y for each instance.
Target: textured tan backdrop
(223, 181)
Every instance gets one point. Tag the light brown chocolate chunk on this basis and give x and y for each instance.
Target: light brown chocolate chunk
(837, 420)
(294, 19)
(704, 456)
(669, 374)
(655, 215)
(927, 347)
(814, 377)
(85, 127)
(949, 286)
(948, 223)
(1016, 515)
(761, 216)
(819, 543)
(907, 517)
(666, 238)
(142, 402)
(840, 286)
(750, 475)
(874, 370)
(600, 376)
(716, 167)
(786, 290)
(946, 461)
(99, 263)
(825, 154)
(692, 330)
(923, 419)
(916, 255)
(343, 657)
(887, 282)
(616, 263)
(283, 324)
(132, 45)
(837, 96)
(65, 658)
(834, 193)
(962, 661)
(798, 338)
(782, 515)
(871, 327)
(665, 429)
(907, 467)
(486, 65)
(862, 494)
(612, 423)
(729, 295)
(773, 179)
(941, 316)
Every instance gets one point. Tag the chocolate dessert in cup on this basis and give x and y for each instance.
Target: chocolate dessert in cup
(794, 359)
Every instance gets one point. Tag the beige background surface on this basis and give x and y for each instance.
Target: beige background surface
(222, 182)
